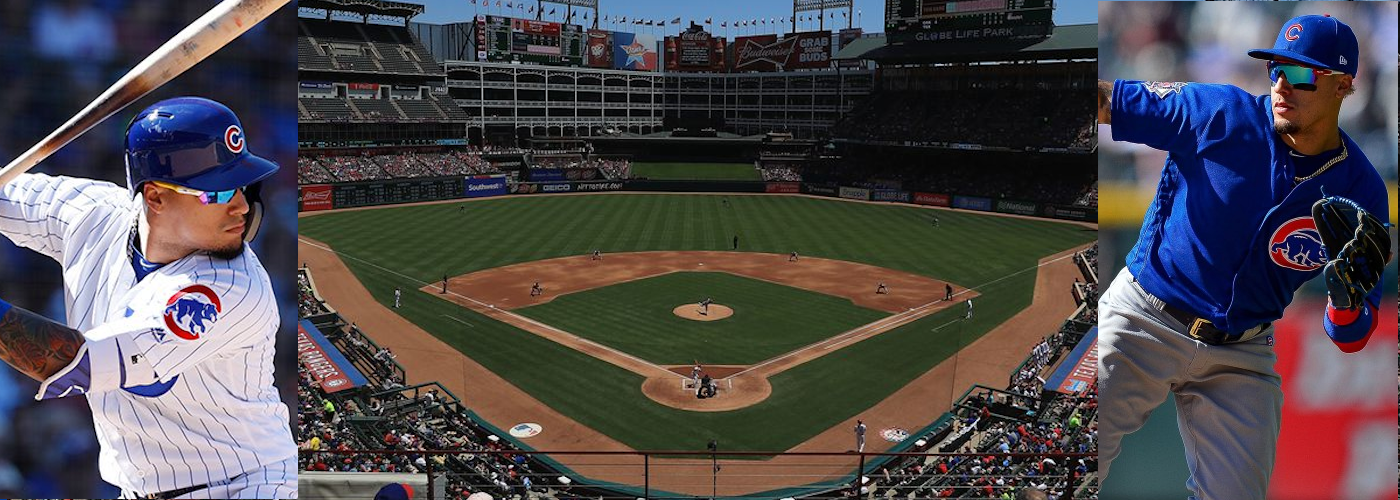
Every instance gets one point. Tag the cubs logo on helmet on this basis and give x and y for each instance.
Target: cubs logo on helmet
(191, 311)
(1297, 245)
(233, 138)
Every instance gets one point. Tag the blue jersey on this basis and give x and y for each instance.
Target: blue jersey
(1229, 235)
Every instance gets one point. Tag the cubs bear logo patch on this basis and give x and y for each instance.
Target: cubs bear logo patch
(191, 311)
(1163, 89)
(1297, 245)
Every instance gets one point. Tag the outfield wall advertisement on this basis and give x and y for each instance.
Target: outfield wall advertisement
(933, 199)
(852, 193)
(315, 197)
(1016, 207)
(782, 187)
(478, 186)
(890, 195)
(972, 203)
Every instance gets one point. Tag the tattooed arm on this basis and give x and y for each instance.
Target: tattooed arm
(1105, 99)
(35, 345)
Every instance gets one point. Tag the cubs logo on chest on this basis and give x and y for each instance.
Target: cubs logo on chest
(1297, 245)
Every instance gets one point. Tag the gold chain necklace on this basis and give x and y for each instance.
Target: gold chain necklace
(1325, 166)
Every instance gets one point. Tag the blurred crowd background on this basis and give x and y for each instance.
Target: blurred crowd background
(1334, 403)
(57, 56)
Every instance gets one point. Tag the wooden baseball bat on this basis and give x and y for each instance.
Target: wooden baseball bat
(206, 35)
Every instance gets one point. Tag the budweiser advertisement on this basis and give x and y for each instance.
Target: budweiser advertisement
(315, 197)
(807, 50)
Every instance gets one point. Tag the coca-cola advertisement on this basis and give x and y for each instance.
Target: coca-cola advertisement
(598, 51)
(695, 50)
(796, 51)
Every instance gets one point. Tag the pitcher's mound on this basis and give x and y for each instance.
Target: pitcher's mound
(692, 311)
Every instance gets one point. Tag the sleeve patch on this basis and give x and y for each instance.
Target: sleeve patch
(1163, 89)
(191, 311)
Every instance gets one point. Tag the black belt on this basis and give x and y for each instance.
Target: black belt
(166, 495)
(1203, 330)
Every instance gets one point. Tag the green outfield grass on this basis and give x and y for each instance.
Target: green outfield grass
(635, 317)
(410, 246)
(697, 171)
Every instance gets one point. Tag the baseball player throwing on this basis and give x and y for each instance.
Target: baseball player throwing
(171, 317)
(1259, 194)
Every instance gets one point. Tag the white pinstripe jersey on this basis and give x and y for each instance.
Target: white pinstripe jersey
(177, 368)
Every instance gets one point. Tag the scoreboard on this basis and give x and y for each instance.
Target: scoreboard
(967, 20)
(507, 39)
(398, 191)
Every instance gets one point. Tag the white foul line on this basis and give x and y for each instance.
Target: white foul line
(850, 335)
(499, 311)
(454, 318)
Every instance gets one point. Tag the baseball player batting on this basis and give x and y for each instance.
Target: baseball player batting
(171, 317)
(1259, 194)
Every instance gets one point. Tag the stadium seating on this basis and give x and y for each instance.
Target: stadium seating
(454, 112)
(990, 118)
(376, 109)
(309, 57)
(363, 47)
(420, 110)
(334, 109)
(403, 165)
(352, 168)
(309, 171)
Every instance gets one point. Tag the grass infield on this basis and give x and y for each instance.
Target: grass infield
(635, 317)
(996, 254)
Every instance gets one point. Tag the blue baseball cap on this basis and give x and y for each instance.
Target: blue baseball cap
(1319, 41)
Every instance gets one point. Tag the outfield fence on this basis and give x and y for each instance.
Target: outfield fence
(688, 475)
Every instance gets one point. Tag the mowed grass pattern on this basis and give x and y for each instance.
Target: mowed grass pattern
(996, 254)
(697, 171)
(636, 317)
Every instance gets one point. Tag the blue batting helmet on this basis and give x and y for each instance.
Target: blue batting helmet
(199, 144)
(192, 142)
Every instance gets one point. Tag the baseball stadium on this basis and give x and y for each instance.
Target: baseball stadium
(569, 250)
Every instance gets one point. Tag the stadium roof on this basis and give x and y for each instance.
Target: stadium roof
(365, 7)
(1078, 41)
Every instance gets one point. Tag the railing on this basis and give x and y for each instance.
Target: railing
(685, 474)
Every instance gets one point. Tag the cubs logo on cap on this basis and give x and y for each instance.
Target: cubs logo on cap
(233, 139)
(191, 311)
(1318, 41)
(1292, 31)
(1297, 245)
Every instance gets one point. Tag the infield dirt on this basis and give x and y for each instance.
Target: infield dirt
(987, 360)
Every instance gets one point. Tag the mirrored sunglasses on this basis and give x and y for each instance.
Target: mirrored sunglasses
(1300, 77)
(205, 197)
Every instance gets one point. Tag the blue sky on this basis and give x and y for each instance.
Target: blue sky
(871, 12)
